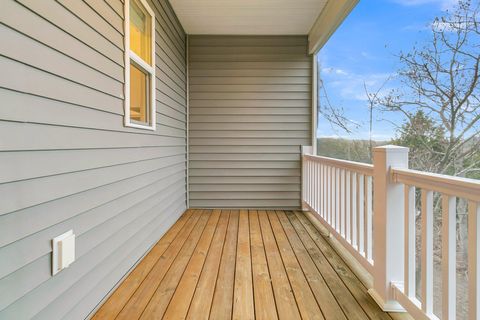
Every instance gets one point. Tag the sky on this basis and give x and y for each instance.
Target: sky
(364, 50)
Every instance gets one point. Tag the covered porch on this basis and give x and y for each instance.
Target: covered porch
(252, 223)
(242, 264)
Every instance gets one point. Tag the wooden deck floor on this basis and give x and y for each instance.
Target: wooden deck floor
(241, 264)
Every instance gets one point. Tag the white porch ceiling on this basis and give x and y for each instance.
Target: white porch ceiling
(248, 17)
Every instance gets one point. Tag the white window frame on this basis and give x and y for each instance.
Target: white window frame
(149, 69)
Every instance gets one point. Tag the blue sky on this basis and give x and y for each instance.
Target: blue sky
(365, 49)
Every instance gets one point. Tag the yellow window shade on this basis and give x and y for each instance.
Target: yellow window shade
(139, 95)
(140, 31)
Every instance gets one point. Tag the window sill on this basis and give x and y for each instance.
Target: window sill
(140, 126)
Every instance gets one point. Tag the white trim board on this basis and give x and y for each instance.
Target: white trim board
(328, 21)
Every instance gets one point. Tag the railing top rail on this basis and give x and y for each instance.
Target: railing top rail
(358, 167)
(450, 185)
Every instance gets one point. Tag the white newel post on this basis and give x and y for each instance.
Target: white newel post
(305, 150)
(388, 226)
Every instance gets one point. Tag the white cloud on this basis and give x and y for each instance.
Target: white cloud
(442, 26)
(367, 55)
(351, 86)
(416, 27)
(334, 71)
(444, 4)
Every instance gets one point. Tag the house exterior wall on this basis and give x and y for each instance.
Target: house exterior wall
(250, 111)
(68, 162)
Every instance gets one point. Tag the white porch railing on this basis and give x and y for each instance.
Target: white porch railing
(341, 193)
(370, 210)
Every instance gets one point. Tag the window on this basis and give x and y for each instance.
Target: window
(139, 65)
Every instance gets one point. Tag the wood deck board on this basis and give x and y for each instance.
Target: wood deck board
(139, 300)
(180, 303)
(306, 301)
(222, 305)
(203, 297)
(199, 237)
(265, 308)
(241, 264)
(243, 290)
(285, 300)
(345, 299)
(351, 281)
(325, 299)
(112, 307)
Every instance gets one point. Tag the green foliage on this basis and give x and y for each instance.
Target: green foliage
(474, 163)
(346, 149)
(429, 148)
(427, 142)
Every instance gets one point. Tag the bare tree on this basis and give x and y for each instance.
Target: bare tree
(441, 79)
(440, 98)
(335, 115)
(373, 99)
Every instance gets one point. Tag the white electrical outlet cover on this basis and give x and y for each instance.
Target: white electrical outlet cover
(57, 258)
(67, 251)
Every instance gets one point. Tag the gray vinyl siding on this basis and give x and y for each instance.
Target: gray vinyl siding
(68, 162)
(250, 112)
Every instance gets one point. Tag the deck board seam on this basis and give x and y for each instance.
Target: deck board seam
(187, 215)
(200, 212)
(186, 265)
(362, 286)
(235, 264)
(227, 257)
(319, 271)
(191, 218)
(283, 263)
(251, 264)
(295, 215)
(273, 215)
(219, 263)
(189, 260)
(205, 260)
(244, 243)
(300, 264)
(267, 263)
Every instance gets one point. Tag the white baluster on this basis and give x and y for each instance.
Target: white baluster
(348, 197)
(317, 187)
(329, 195)
(342, 203)
(353, 211)
(324, 188)
(368, 218)
(473, 260)
(334, 198)
(449, 231)
(360, 213)
(409, 241)
(308, 180)
(337, 200)
(304, 179)
(310, 174)
(427, 252)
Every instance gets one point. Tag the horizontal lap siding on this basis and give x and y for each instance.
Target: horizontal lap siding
(68, 162)
(250, 111)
